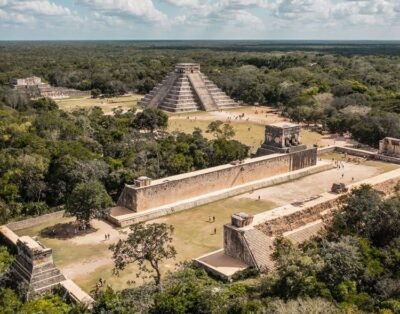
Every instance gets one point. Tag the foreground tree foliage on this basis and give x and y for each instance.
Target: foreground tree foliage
(147, 245)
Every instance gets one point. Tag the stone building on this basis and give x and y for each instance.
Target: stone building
(36, 88)
(26, 82)
(34, 267)
(390, 146)
(282, 137)
(187, 89)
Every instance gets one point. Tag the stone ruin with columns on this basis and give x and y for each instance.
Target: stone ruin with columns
(282, 137)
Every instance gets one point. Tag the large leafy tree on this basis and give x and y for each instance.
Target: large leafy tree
(87, 201)
(151, 119)
(147, 245)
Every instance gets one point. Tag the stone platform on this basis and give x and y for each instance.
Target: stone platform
(34, 266)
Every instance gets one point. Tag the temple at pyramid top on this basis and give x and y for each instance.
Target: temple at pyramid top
(187, 89)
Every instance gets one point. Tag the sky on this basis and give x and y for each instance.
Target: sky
(199, 19)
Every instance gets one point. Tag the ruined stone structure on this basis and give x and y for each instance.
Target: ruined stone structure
(146, 194)
(35, 85)
(26, 82)
(187, 89)
(282, 137)
(250, 239)
(390, 146)
(34, 266)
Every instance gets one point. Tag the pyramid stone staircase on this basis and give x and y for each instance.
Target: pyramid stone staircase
(187, 89)
(34, 266)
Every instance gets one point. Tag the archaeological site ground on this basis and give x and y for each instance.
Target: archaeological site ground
(277, 189)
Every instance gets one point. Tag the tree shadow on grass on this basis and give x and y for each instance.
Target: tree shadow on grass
(65, 231)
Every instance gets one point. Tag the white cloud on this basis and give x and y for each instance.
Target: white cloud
(34, 12)
(125, 9)
(227, 12)
(41, 8)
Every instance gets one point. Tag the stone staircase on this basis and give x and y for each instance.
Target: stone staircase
(181, 97)
(157, 95)
(34, 266)
(39, 278)
(199, 86)
(222, 100)
(261, 247)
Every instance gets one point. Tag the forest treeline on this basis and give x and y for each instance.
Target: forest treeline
(341, 92)
(46, 153)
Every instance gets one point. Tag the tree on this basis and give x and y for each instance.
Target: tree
(151, 119)
(43, 104)
(87, 201)
(147, 244)
(221, 130)
(95, 92)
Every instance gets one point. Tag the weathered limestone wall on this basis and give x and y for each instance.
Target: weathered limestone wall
(236, 246)
(300, 218)
(131, 218)
(390, 146)
(359, 153)
(181, 187)
(30, 222)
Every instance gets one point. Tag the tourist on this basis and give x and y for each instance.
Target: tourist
(213, 218)
(105, 237)
(209, 219)
(215, 230)
(259, 197)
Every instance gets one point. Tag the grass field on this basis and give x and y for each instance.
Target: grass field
(107, 104)
(86, 262)
(249, 133)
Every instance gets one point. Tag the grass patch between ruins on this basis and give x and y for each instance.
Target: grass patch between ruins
(107, 104)
(85, 262)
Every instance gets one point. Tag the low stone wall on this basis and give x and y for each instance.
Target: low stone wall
(359, 153)
(300, 218)
(31, 222)
(178, 188)
(235, 245)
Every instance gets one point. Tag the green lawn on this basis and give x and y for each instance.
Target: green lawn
(193, 236)
(107, 104)
(251, 134)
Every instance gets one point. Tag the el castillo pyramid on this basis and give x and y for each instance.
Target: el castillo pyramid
(187, 89)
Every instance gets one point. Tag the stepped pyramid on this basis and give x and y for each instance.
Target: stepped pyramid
(34, 266)
(187, 89)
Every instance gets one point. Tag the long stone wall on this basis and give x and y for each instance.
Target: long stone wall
(31, 222)
(185, 186)
(131, 218)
